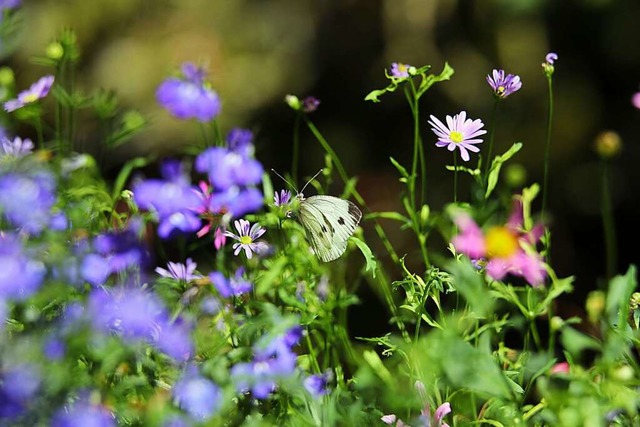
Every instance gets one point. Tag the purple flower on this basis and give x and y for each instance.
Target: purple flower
(17, 147)
(20, 276)
(310, 104)
(459, 132)
(37, 91)
(189, 97)
(174, 338)
(241, 141)
(54, 348)
(283, 198)
(227, 168)
(9, 4)
(181, 272)
(635, 100)
(234, 286)
(175, 201)
(83, 414)
(236, 201)
(26, 200)
(18, 385)
(246, 238)
(502, 85)
(317, 384)
(400, 70)
(547, 65)
(197, 395)
(551, 58)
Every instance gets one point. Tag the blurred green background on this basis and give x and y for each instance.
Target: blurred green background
(257, 51)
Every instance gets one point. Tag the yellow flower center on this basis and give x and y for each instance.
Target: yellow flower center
(500, 242)
(403, 68)
(456, 136)
(30, 97)
(246, 240)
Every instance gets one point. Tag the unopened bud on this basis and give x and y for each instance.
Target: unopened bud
(608, 144)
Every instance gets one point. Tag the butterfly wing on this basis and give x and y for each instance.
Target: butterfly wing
(329, 222)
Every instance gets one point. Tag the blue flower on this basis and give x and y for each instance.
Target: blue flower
(20, 275)
(26, 200)
(83, 414)
(18, 385)
(197, 395)
(241, 141)
(317, 384)
(227, 168)
(237, 201)
(173, 199)
(189, 97)
(502, 85)
(235, 286)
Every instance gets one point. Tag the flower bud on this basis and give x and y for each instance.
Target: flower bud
(595, 305)
(608, 144)
(6, 76)
(54, 51)
(293, 102)
(515, 175)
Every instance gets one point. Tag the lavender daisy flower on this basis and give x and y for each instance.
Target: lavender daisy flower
(459, 132)
(197, 395)
(189, 97)
(502, 85)
(182, 272)
(246, 237)
(283, 198)
(400, 70)
(37, 91)
(17, 147)
(234, 286)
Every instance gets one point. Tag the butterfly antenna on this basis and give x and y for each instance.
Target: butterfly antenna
(283, 178)
(309, 182)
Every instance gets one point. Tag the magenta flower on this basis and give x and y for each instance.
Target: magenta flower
(507, 249)
(459, 132)
(37, 91)
(247, 238)
(182, 272)
(400, 70)
(502, 85)
(635, 100)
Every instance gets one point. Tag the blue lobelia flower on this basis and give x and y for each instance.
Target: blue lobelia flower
(82, 414)
(26, 199)
(234, 286)
(20, 275)
(18, 385)
(197, 395)
(189, 96)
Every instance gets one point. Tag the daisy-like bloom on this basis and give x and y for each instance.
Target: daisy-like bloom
(281, 199)
(502, 85)
(459, 132)
(182, 272)
(189, 97)
(17, 147)
(400, 70)
(37, 91)
(635, 100)
(246, 238)
(507, 248)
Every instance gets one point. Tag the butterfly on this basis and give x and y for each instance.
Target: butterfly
(328, 222)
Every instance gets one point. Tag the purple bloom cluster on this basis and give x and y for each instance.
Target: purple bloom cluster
(114, 252)
(16, 147)
(317, 384)
(232, 173)
(9, 4)
(400, 70)
(502, 85)
(189, 96)
(271, 362)
(18, 386)
(20, 275)
(173, 199)
(234, 286)
(26, 199)
(37, 91)
(135, 315)
(83, 413)
(197, 395)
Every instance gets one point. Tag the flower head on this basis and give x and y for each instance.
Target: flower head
(310, 104)
(234, 286)
(400, 70)
(197, 395)
(247, 238)
(508, 249)
(18, 385)
(281, 199)
(83, 413)
(459, 132)
(635, 100)
(550, 58)
(17, 147)
(37, 91)
(317, 384)
(183, 272)
(547, 65)
(20, 275)
(227, 168)
(502, 85)
(26, 199)
(189, 97)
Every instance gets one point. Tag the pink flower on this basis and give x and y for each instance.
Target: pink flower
(509, 249)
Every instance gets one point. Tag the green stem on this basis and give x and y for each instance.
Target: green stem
(296, 149)
(203, 134)
(38, 126)
(607, 221)
(494, 113)
(455, 176)
(547, 147)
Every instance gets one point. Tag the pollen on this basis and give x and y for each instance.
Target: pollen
(246, 240)
(456, 136)
(500, 242)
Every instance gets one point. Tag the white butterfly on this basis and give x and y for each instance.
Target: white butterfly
(328, 222)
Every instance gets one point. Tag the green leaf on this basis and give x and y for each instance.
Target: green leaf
(125, 172)
(370, 260)
(496, 165)
(576, 342)
(619, 334)
(471, 286)
(400, 168)
(388, 215)
(430, 80)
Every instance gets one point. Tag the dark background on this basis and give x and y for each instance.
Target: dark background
(257, 51)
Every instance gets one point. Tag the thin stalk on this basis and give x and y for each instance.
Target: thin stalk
(492, 126)
(607, 221)
(455, 176)
(547, 147)
(296, 149)
(38, 126)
